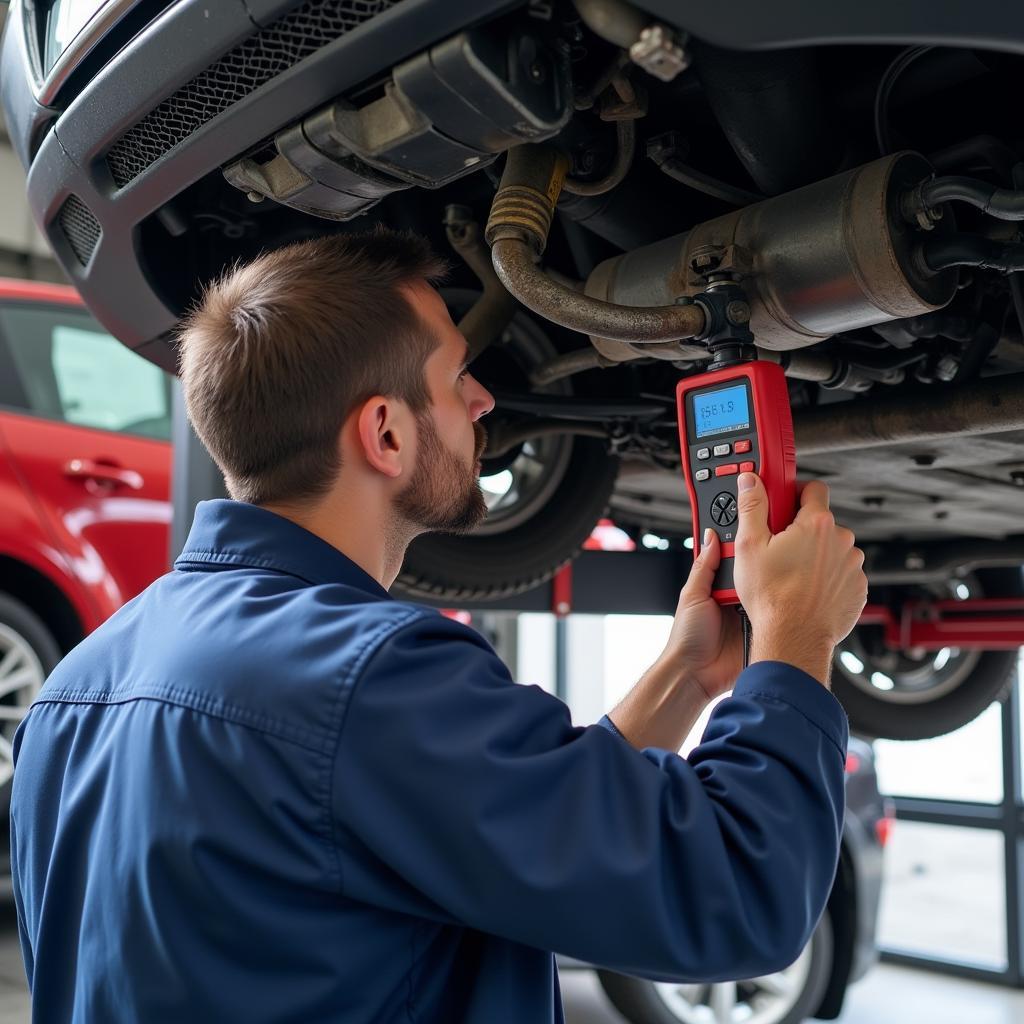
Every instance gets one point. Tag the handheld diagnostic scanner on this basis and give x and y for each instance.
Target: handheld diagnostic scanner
(731, 421)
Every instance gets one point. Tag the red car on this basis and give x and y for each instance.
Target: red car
(84, 485)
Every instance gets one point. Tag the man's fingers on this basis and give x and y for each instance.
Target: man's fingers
(705, 565)
(815, 495)
(753, 507)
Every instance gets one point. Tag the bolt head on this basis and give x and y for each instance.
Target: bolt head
(945, 368)
(738, 312)
(913, 562)
(706, 258)
(928, 216)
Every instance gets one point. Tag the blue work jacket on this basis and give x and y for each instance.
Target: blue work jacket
(266, 791)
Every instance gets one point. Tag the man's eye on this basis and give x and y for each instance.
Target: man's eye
(463, 374)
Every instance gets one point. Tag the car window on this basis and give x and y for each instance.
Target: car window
(71, 369)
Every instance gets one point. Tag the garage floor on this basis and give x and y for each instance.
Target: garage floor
(888, 995)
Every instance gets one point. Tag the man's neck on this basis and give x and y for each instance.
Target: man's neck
(376, 545)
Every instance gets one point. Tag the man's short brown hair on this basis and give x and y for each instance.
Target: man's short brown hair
(279, 351)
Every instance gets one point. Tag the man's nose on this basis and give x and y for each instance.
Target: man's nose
(482, 401)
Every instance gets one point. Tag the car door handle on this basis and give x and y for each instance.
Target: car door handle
(100, 472)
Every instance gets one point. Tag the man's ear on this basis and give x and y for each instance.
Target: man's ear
(383, 433)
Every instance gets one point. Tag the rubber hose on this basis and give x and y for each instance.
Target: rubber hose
(1003, 203)
(971, 251)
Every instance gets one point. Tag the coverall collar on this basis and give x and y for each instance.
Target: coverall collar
(231, 534)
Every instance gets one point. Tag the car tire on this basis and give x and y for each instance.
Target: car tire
(648, 1002)
(492, 566)
(27, 649)
(986, 676)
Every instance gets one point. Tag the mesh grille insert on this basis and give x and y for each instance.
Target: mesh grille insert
(80, 227)
(252, 63)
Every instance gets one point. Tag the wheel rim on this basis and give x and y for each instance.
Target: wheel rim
(21, 676)
(517, 489)
(907, 677)
(765, 1000)
(518, 493)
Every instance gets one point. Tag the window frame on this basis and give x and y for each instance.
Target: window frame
(17, 390)
(1006, 818)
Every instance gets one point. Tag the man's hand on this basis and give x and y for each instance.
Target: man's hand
(803, 588)
(706, 642)
(701, 660)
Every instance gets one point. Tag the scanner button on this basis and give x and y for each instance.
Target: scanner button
(723, 509)
(722, 449)
(728, 470)
(746, 467)
(741, 447)
(703, 453)
(702, 475)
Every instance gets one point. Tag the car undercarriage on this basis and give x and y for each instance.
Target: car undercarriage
(858, 174)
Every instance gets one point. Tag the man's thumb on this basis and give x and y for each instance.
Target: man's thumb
(753, 506)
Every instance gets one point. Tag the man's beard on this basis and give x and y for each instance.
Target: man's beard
(444, 495)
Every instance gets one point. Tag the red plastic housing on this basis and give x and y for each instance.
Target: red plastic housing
(776, 465)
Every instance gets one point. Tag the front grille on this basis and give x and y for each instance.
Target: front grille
(254, 62)
(80, 227)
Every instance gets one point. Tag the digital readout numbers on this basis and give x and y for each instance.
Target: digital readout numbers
(722, 410)
(712, 410)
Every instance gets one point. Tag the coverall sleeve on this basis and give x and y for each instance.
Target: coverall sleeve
(480, 794)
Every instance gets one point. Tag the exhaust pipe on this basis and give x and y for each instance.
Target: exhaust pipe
(993, 405)
(517, 232)
(830, 257)
(990, 406)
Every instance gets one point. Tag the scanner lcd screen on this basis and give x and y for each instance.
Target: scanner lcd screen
(718, 412)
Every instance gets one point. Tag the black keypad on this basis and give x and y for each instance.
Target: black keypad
(723, 509)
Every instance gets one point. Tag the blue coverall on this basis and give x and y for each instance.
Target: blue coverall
(267, 791)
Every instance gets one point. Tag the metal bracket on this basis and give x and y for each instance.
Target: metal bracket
(661, 52)
(727, 332)
(984, 624)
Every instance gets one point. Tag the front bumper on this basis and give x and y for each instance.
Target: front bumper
(198, 86)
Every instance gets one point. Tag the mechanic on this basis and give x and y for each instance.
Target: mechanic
(266, 790)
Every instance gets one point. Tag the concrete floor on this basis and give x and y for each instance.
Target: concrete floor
(14, 1004)
(888, 995)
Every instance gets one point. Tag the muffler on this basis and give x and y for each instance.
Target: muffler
(830, 257)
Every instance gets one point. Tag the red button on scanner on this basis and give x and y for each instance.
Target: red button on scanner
(729, 470)
(746, 467)
(739, 448)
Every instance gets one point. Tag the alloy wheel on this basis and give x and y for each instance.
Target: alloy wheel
(21, 676)
(764, 1000)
